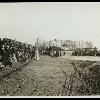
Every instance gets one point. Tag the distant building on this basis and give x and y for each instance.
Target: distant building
(71, 45)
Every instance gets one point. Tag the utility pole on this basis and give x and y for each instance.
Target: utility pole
(37, 50)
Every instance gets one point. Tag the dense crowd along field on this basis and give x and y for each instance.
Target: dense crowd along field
(14, 51)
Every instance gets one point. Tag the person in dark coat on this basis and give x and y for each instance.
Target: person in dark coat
(2, 54)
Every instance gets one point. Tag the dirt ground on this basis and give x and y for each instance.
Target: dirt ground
(46, 77)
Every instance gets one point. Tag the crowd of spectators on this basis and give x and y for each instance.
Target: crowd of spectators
(15, 51)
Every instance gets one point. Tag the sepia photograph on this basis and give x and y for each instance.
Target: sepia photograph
(50, 49)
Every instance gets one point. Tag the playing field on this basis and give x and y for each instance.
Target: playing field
(84, 58)
(46, 77)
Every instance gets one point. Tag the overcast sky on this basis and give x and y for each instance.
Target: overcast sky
(66, 20)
